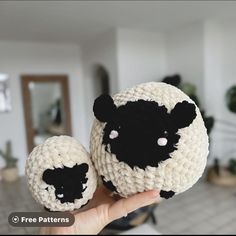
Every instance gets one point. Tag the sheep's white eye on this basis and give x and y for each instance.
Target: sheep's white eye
(114, 134)
(162, 141)
(60, 195)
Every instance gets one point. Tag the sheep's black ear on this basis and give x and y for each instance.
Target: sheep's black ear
(49, 176)
(183, 114)
(104, 108)
(166, 194)
(83, 168)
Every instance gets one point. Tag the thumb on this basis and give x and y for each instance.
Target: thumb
(126, 205)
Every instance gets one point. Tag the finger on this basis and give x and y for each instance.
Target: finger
(124, 206)
(101, 196)
(44, 231)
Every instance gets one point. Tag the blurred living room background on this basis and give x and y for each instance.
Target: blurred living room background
(56, 57)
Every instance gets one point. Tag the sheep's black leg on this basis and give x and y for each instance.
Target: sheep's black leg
(47, 209)
(85, 204)
(109, 185)
(167, 194)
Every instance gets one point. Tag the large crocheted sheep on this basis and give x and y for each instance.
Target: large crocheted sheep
(148, 137)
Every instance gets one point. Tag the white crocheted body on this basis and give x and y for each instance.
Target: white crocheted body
(58, 152)
(177, 173)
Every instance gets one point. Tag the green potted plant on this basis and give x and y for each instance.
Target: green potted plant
(10, 171)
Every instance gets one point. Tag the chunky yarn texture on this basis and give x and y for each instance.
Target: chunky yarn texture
(58, 152)
(178, 173)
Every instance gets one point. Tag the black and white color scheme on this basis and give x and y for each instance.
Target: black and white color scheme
(60, 174)
(152, 136)
(67, 190)
(142, 128)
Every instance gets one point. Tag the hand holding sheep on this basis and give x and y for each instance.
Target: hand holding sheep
(101, 210)
(149, 137)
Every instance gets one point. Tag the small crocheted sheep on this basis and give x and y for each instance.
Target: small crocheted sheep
(60, 174)
(151, 136)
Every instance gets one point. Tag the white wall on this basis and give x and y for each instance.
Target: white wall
(185, 54)
(101, 50)
(213, 93)
(141, 57)
(227, 139)
(35, 58)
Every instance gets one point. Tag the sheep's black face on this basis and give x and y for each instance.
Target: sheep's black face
(68, 182)
(142, 133)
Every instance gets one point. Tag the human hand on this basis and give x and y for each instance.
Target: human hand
(103, 209)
